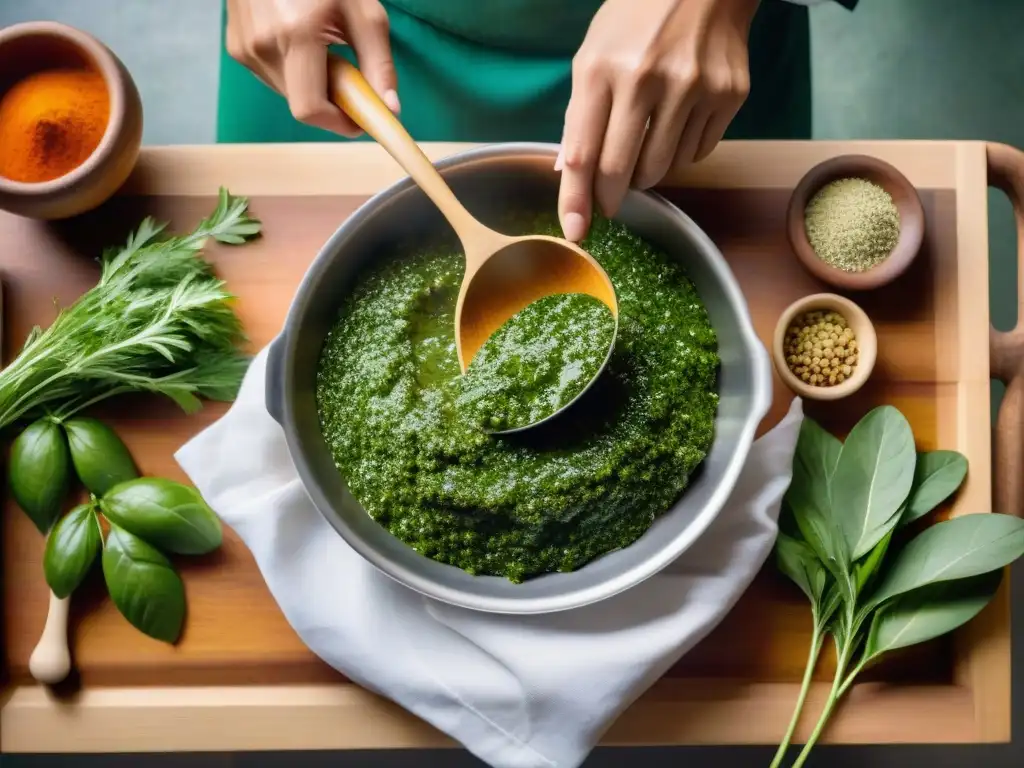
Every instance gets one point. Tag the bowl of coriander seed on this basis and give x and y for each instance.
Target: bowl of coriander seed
(855, 222)
(824, 347)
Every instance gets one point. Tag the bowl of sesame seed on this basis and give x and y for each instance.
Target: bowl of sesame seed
(824, 347)
(855, 222)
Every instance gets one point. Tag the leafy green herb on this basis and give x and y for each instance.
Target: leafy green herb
(146, 515)
(167, 514)
(159, 321)
(798, 561)
(955, 549)
(872, 478)
(40, 472)
(100, 457)
(937, 476)
(868, 591)
(817, 454)
(71, 548)
(929, 612)
(143, 585)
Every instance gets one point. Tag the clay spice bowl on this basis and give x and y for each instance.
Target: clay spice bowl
(834, 354)
(854, 222)
(40, 64)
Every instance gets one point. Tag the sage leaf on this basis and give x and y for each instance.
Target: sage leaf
(868, 567)
(100, 457)
(929, 612)
(807, 496)
(40, 472)
(954, 549)
(799, 563)
(830, 603)
(143, 585)
(937, 476)
(872, 478)
(71, 549)
(814, 462)
(171, 516)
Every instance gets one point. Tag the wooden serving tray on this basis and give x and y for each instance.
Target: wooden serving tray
(240, 679)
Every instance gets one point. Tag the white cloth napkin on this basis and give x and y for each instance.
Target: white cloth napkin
(517, 691)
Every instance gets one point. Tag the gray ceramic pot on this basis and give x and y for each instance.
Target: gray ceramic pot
(490, 180)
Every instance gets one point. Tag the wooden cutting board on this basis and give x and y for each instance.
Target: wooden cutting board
(239, 663)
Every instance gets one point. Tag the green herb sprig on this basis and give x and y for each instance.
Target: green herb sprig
(840, 542)
(159, 320)
(147, 518)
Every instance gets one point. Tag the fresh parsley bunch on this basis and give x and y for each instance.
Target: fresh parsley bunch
(842, 544)
(159, 320)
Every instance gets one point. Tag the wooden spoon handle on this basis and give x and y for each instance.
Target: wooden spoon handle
(50, 662)
(1006, 172)
(357, 99)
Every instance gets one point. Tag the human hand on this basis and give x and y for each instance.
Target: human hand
(284, 42)
(681, 65)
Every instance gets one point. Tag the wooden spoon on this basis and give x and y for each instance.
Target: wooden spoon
(503, 274)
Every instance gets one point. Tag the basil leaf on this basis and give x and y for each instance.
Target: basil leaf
(872, 478)
(937, 476)
(955, 549)
(100, 457)
(799, 563)
(169, 515)
(40, 472)
(71, 548)
(143, 585)
(929, 612)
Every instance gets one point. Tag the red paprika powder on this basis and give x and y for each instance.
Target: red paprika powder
(51, 122)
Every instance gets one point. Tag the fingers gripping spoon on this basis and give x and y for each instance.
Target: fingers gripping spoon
(503, 274)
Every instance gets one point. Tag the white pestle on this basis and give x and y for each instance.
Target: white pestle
(50, 662)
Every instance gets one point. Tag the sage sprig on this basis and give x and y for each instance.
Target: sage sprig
(842, 542)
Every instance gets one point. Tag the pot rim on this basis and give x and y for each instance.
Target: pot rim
(284, 347)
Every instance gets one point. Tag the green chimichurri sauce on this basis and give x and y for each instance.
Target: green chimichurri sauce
(537, 361)
(548, 499)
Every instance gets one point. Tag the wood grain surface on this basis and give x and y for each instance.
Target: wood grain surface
(932, 365)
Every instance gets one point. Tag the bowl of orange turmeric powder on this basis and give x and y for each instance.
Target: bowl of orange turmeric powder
(70, 121)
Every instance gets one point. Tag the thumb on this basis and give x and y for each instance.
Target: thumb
(369, 29)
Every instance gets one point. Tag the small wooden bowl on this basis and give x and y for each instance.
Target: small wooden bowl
(864, 333)
(39, 45)
(904, 195)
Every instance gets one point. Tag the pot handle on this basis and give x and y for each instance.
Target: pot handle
(1006, 348)
(274, 384)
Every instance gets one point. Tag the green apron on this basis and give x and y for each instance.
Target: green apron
(500, 70)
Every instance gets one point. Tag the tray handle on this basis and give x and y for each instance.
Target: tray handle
(1006, 172)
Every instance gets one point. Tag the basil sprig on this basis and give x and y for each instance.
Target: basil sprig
(843, 542)
(147, 517)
